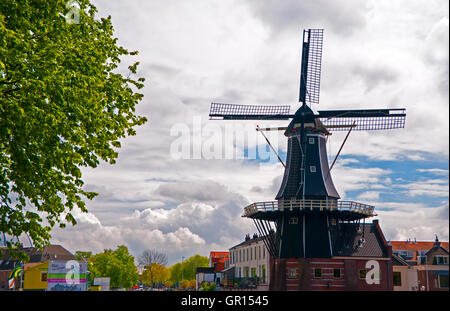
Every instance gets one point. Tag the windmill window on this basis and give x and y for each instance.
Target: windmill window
(311, 141)
(337, 273)
(317, 273)
(362, 274)
(292, 273)
(312, 168)
(293, 220)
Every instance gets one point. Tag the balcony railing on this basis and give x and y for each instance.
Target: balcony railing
(309, 205)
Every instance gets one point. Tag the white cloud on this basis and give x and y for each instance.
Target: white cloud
(432, 187)
(435, 171)
(347, 178)
(377, 54)
(400, 221)
(369, 195)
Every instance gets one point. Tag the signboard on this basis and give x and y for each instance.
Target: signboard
(67, 276)
(102, 282)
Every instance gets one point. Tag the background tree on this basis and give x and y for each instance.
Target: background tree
(155, 274)
(186, 270)
(63, 106)
(152, 256)
(153, 261)
(82, 255)
(117, 264)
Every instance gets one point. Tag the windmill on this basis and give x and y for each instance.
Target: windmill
(307, 209)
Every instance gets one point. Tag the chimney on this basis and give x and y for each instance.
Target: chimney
(436, 242)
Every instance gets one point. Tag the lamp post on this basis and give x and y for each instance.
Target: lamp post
(182, 267)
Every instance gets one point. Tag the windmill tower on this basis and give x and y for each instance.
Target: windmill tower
(305, 219)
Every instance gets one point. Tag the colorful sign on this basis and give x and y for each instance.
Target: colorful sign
(67, 276)
(103, 282)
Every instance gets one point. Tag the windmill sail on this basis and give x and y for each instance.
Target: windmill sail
(311, 66)
(363, 120)
(248, 112)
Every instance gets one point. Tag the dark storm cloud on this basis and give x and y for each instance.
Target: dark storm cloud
(344, 16)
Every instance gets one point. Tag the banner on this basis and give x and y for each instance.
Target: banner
(103, 282)
(67, 276)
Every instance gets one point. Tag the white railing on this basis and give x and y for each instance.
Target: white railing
(311, 205)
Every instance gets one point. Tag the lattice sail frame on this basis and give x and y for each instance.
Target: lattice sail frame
(248, 112)
(315, 39)
(365, 120)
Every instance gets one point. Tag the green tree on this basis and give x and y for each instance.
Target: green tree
(186, 270)
(117, 264)
(155, 274)
(82, 255)
(63, 106)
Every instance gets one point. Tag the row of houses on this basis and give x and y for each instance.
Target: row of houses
(420, 265)
(36, 269)
(401, 265)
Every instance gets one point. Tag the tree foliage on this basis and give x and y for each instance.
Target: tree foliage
(154, 263)
(186, 270)
(83, 255)
(117, 264)
(63, 106)
(155, 274)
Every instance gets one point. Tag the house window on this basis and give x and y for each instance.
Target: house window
(317, 272)
(443, 280)
(44, 277)
(312, 168)
(397, 276)
(362, 274)
(440, 260)
(337, 273)
(311, 141)
(264, 273)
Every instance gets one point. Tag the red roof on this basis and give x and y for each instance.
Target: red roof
(415, 246)
(217, 260)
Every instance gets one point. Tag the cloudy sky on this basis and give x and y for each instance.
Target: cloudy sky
(377, 54)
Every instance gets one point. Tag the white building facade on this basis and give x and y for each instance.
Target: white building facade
(251, 259)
